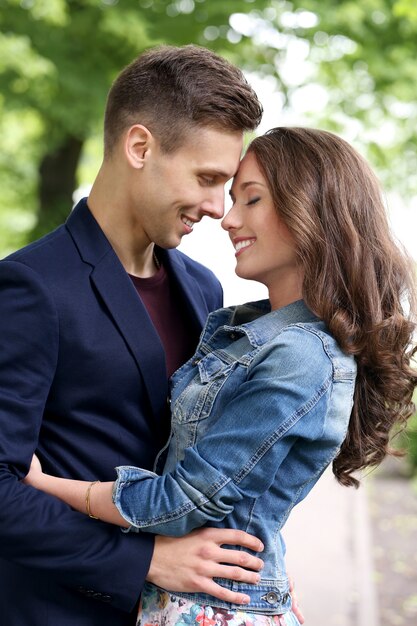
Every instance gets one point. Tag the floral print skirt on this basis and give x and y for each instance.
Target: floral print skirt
(161, 608)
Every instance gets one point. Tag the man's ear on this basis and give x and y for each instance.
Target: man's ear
(138, 145)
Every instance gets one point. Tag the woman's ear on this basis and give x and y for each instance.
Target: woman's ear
(138, 145)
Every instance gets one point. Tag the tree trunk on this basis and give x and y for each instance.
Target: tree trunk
(57, 182)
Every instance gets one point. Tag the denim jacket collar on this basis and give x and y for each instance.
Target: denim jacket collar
(256, 320)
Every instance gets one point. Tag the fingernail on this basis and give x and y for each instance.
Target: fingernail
(245, 599)
(261, 546)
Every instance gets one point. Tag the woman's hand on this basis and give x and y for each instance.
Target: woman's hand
(35, 474)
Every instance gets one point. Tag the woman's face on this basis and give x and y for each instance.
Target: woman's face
(265, 249)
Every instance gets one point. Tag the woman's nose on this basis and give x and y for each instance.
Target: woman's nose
(231, 219)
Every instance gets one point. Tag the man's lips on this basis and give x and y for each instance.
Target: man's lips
(189, 223)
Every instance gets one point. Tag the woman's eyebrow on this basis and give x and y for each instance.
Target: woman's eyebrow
(243, 186)
(251, 182)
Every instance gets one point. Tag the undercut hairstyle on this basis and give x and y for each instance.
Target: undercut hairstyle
(357, 279)
(173, 91)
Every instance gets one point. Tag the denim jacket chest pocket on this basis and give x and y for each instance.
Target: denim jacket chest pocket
(193, 400)
(192, 407)
(196, 401)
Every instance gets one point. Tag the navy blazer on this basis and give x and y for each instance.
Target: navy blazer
(83, 382)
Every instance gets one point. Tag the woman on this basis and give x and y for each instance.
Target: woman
(280, 388)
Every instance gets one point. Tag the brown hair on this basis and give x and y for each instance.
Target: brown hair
(173, 90)
(356, 278)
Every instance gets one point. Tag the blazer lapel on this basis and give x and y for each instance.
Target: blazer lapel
(193, 296)
(122, 301)
(133, 321)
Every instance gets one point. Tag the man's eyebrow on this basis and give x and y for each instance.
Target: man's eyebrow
(211, 171)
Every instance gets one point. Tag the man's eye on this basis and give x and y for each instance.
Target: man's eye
(253, 201)
(208, 180)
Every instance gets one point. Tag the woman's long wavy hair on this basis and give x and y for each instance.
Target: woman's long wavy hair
(356, 278)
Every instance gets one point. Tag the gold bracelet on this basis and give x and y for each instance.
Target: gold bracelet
(87, 499)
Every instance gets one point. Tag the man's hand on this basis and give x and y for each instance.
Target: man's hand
(190, 563)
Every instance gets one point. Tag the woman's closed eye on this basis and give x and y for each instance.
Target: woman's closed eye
(253, 201)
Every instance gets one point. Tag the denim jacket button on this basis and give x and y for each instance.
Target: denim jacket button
(196, 361)
(271, 597)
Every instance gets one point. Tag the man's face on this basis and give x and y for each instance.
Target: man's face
(176, 190)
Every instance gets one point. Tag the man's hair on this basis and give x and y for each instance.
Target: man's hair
(173, 90)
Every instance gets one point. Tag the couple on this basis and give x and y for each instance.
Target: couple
(96, 315)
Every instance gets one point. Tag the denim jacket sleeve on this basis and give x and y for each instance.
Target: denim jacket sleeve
(283, 397)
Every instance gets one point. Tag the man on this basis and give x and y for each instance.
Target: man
(94, 317)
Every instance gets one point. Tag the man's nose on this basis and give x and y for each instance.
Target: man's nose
(213, 205)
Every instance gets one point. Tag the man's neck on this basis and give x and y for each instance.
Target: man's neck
(130, 243)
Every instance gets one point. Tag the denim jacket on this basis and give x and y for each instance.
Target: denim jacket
(257, 414)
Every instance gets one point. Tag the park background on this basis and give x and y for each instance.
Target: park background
(343, 65)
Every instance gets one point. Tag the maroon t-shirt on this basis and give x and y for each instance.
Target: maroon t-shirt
(169, 316)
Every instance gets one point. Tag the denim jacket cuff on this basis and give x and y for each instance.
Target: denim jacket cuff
(127, 473)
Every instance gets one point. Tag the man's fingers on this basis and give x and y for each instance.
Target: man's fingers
(212, 588)
(234, 537)
(235, 573)
(237, 557)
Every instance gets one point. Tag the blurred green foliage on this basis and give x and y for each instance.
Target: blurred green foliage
(366, 54)
(411, 440)
(58, 58)
(57, 61)
(406, 441)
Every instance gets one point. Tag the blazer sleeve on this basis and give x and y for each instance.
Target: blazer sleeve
(239, 456)
(36, 530)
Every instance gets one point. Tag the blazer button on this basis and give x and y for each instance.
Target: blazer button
(106, 598)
